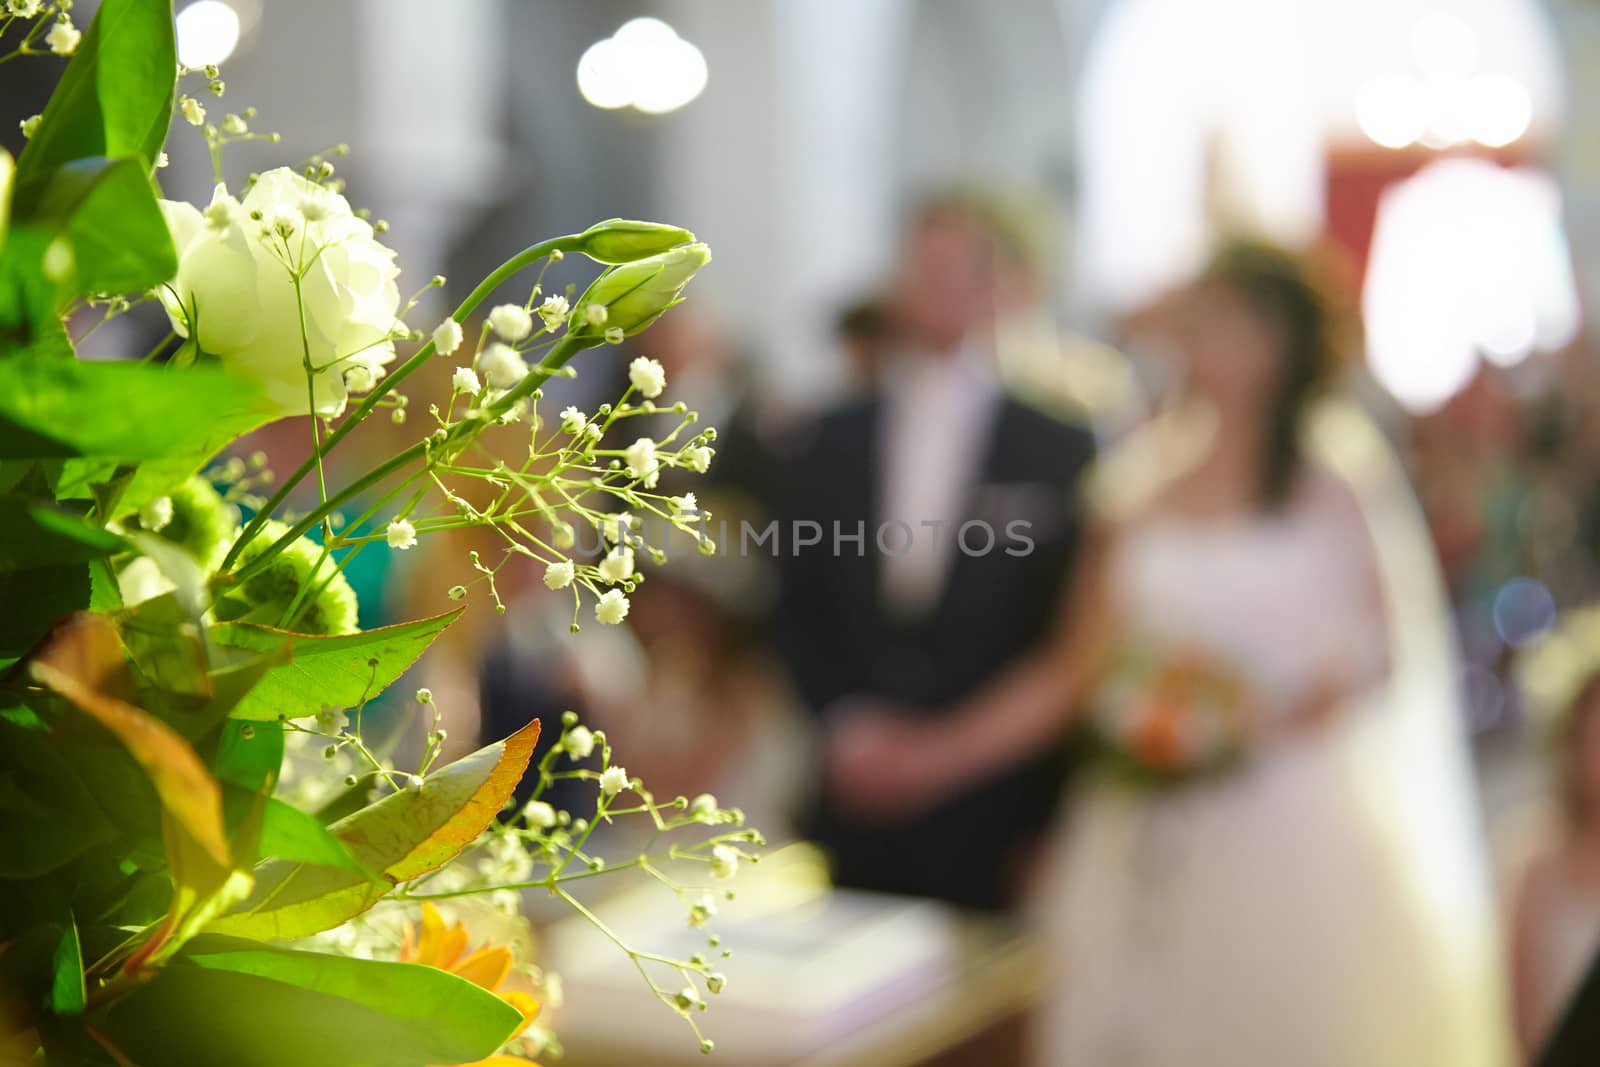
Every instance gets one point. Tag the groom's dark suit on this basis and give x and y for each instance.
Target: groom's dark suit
(840, 640)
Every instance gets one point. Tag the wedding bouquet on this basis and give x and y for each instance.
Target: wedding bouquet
(204, 855)
(1165, 716)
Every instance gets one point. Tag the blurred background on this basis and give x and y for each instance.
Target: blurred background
(1444, 154)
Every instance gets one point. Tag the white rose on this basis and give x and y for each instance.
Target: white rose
(234, 294)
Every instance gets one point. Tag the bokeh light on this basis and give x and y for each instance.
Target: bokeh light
(1523, 609)
(208, 32)
(644, 65)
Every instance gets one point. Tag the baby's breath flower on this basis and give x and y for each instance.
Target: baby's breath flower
(193, 112)
(331, 720)
(464, 380)
(156, 515)
(559, 575)
(699, 459)
(614, 335)
(579, 742)
(724, 861)
(401, 534)
(702, 911)
(553, 311)
(447, 337)
(23, 9)
(687, 998)
(511, 321)
(573, 420)
(63, 38)
(162, 160)
(617, 566)
(595, 315)
(611, 608)
(233, 124)
(641, 460)
(360, 378)
(593, 431)
(703, 808)
(539, 815)
(501, 365)
(647, 376)
(716, 982)
(456, 592)
(424, 695)
(615, 527)
(30, 125)
(613, 780)
(685, 503)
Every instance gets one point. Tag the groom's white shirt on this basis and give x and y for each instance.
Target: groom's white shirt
(934, 433)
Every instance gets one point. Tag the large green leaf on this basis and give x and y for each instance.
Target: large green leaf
(404, 835)
(53, 408)
(115, 97)
(108, 211)
(245, 1005)
(49, 814)
(34, 534)
(35, 597)
(341, 671)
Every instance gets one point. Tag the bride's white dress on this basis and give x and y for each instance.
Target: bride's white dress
(1322, 905)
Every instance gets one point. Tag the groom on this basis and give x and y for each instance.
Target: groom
(932, 525)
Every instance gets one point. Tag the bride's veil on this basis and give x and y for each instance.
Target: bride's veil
(1407, 751)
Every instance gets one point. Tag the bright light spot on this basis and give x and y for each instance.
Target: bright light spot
(1468, 260)
(1444, 46)
(1500, 109)
(208, 32)
(646, 65)
(1392, 110)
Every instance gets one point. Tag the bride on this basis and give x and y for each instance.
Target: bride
(1278, 864)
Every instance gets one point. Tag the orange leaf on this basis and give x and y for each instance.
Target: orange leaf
(83, 662)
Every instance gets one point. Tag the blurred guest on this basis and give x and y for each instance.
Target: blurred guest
(866, 338)
(944, 517)
(1277, 864)
(1557, 926)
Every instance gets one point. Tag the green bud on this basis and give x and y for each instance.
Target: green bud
(625, 240)
(636, 294)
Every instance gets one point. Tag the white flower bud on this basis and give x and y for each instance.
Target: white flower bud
(63, 38)
(502, 366)
(511, 321)
(617, 566)
(595, 315)
(559, 575)
(641, 460)
(685, 504)
(614, 335)
(155, 515)
(647, 376)
(465, 381)
(702, 911)
(611, 608)
(703, 808)
(573, 420)
(580, 742)
(401, 534)
(360, 379)
(193, 113)
(724, 861)
(554, 311)
(613, 780)
(699, 459)
(29, 126)
(716, 982)
(539, 815)
(447, 337)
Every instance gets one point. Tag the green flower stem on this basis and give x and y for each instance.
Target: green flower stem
(387, 384)
(557, 357)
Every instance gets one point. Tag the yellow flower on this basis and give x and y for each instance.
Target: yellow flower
(445, 947)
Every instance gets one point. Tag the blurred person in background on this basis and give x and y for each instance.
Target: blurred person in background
(1557, 918)
(865, 335)
(1278, 862)
(887, 606)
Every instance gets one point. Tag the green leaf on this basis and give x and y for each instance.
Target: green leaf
(115, 97)
(34, 534)
(341, 671)
(34, 598)
(404, 835)
(54, 408)
(49, 814)
(248, 1006)
(108, 211)
(248, 756)
(67, 993)
(290, 834)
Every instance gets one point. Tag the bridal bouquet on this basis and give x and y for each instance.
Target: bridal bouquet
(1165, 716)
(207, 856)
